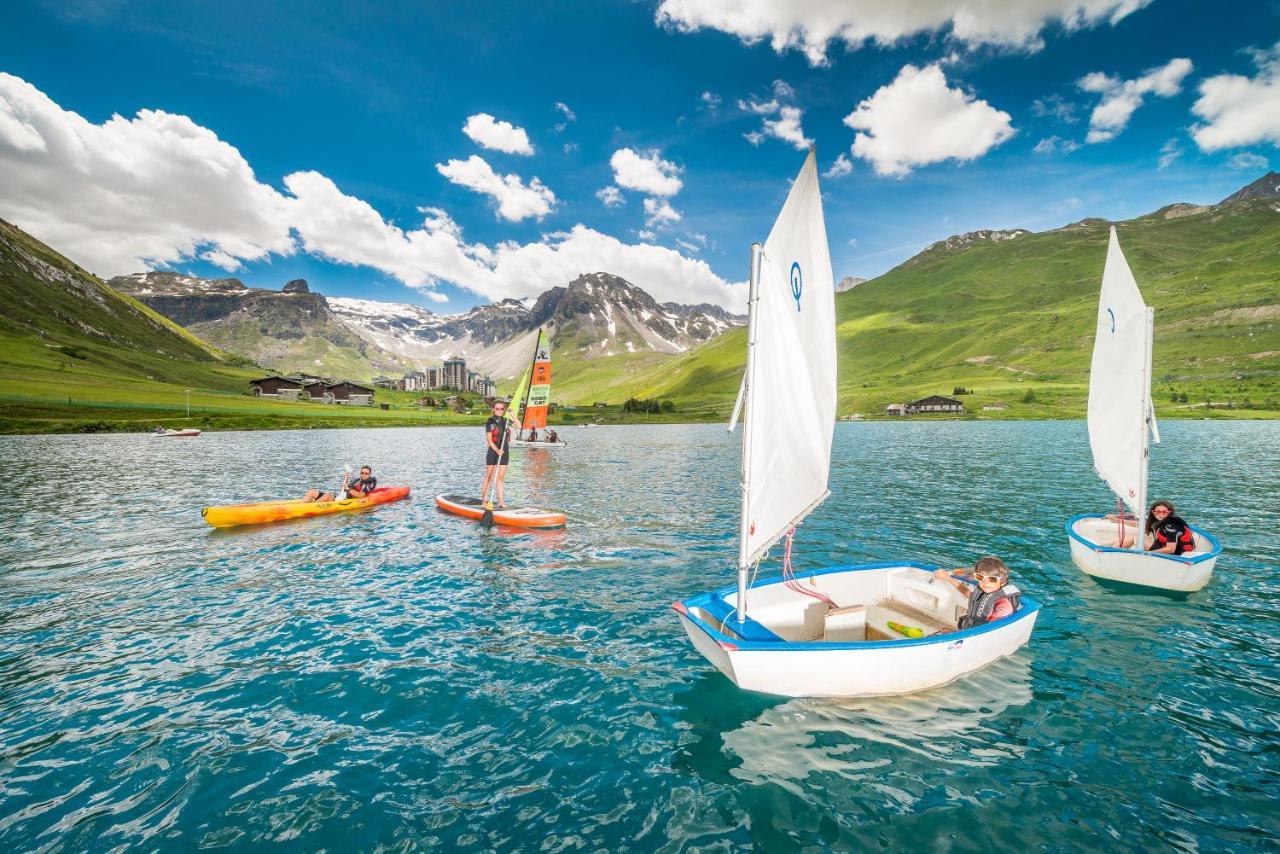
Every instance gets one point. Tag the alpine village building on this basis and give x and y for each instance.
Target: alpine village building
(927, 406)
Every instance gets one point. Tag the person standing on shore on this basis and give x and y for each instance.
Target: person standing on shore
(497, 454)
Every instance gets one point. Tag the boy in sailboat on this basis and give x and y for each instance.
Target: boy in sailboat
(993, 599)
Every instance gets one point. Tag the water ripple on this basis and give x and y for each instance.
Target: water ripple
(398, 679)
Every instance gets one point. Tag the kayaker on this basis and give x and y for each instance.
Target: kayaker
(359, 488)
(1166, 532)
(497, 454)
(993, 599)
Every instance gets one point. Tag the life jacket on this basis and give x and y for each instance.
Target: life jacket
(1178, 532)
(982, 604)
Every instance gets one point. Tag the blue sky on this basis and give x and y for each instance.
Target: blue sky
(367, 103)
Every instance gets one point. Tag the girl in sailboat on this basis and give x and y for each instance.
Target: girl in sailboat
(993, 599)
(1166, 532)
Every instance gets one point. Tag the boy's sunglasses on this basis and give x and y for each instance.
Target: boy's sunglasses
(989, 578)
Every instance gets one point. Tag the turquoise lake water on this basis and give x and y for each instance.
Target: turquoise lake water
(399, 679)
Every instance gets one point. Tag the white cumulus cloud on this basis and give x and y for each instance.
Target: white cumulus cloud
(1120, 98)
(610, 196)
(567, 116)
(1238, 110)
(157, 189)
(120, 195)
(516, 200)
(488, 132)
(917, 119)
(812, 25)
(1055, 145)
(841, 167)
(786, 122)
(646, 172)
(658, 212)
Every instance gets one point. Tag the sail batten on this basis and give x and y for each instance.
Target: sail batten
(1120, 409)
(790, 392)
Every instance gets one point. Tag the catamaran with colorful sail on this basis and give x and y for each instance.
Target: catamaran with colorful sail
(824, 632)
(1122, 419)
(535, 404)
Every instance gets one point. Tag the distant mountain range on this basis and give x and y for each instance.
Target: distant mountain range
(596, 315)
(1006, 311)
(996, 311)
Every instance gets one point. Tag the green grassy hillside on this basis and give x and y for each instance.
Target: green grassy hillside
(1011, 317)
(77, 355)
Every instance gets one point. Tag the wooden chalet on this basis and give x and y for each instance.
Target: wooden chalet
(351, 393)
(278, 387)
(935, 403)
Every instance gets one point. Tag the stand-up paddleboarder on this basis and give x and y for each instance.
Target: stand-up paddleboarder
(498, 453)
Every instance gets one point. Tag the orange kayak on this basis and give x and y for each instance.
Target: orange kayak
(520, 517)
(231, 515)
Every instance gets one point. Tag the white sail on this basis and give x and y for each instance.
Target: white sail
(791, 372)
(1119, 383)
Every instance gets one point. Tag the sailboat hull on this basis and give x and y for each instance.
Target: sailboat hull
(524, 443)
(781, 650)
(1092, 539)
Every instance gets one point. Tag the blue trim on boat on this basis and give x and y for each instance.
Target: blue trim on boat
(1214, 552)
(714, 602)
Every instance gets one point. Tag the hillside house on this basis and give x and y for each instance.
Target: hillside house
(896, 409)
(934, 404)
(317, 391)
(386, 382)
(351, 394)
(281, 388)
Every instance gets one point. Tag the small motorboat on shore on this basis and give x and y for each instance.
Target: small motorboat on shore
(176, 434)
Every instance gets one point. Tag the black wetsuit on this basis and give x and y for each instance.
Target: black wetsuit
(495, 429)
(1173, 530)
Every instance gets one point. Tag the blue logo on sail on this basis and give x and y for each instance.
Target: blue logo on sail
(797, 283)
(1111, 314)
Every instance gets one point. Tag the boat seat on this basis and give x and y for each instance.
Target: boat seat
(879, 615)
(748, 629)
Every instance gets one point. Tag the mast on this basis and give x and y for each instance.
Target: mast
(1140, 535)
(753, 298)
(524, 404)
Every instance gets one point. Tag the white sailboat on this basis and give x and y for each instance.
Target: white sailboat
(823, 632)
(1121, 421)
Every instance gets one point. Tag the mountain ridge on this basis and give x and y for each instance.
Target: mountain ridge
(596, 314)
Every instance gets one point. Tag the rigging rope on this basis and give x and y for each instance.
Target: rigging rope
(789, 573)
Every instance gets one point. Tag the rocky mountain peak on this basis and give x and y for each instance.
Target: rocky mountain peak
(1266, 187)
(296, 286)
(973, 238)
(848, 283)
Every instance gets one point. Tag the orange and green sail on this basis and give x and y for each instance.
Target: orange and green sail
(539, 394)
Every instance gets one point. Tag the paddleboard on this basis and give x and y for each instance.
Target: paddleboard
(230, 515)
(517, 517)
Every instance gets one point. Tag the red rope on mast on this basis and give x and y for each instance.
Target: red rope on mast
(789, 573)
